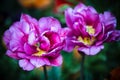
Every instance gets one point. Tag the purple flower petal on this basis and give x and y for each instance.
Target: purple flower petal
(56, 61)
(44, 43)
(93, 50)
(53, 24)
(91, 18)
(55, 52)
(25, 27)
(79, 7)
(38, 62)
(28, 19)
(12, 54)
(53, 37)
(108, 20)
(68, 17)
(32, 38)
(26, 65)
(92, 9)
(22, 55)
(7, 37)
(113, 36)
(16, 33)
(14, 45)
(69, 44)
(29, 49)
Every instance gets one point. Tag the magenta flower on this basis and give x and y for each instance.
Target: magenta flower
(89, 29)
(35, 43)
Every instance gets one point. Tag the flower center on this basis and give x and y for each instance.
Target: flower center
(86, 40)
(40, 52)
(90, 30)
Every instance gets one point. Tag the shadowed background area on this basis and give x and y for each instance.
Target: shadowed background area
(103, 66)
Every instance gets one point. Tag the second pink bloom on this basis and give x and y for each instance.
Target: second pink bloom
(89, 30)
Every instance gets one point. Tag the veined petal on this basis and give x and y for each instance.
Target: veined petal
(38, 62)
(15, 45)
(69, 44)
(7, 37)
(92, 9)
(57, 61)
(108, 20)
(25, 27)
(44, 43)
(16, 33)
(26, 65)
(12, 54)
(114, 36)
(68, 17)
(28, 19)
(53, 37)
(80, 7)
(53, 24)
(29, 49)
(91, 18)
(93, 50)
(22, 55)
(32, 38)
(54, 52)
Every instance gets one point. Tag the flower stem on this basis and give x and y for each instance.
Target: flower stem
(45, 72)
(82, 66)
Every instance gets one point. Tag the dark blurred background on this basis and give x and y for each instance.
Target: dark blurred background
(103, 66)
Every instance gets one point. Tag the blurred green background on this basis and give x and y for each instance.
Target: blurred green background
(102, 66)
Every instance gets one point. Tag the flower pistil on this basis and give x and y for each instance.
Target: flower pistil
(90, 30)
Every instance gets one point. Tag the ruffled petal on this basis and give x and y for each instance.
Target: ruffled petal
(80, 7)
(44, 43)
(29, 49)
(12, 54)
(32, 38)
(91, 18)
(68, 17)
(38, 62)
(23, 55)
(93, 50)
(108, 20)
(53, 37)
(113, 36)
(56, 61)
(25, 27)
(16, 33)
(28, 19)
(69, 44)
(7, 37)
(49, 23)
(26, 65)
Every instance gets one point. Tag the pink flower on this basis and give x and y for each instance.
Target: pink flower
(89, 29)
(35, 43)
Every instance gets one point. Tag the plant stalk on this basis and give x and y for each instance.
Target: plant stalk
(82, 77)
(45, 72)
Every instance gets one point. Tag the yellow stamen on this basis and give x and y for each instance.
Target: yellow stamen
(90, 30)
(39, 53)
(86, 40)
